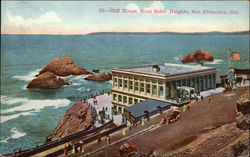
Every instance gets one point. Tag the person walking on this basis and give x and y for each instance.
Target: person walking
(99, 140)
(209, 99)
(202, 98)
(196, 98)
(74, 149)
(65, 150)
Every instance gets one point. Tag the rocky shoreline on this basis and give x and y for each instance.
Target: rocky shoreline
(79, 117)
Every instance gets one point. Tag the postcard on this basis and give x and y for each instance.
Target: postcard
(125, 78)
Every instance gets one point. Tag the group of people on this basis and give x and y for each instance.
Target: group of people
(74, 148)
(104, 115)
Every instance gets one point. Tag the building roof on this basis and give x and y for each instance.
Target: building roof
(149, 105)
(242, 71)
(221, 75)
(166, 68)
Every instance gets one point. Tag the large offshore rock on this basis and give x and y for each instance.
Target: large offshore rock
(47, 80)
(77, 118)
(101, 77)
(64, 67)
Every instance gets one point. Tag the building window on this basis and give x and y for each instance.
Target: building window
(205, 81)
(119, 98)
(179, 83)
(130, 100)
(210, 81)
(154, 90)
(114, 97)
(197, 83)
(148, 88)
(130, 85)
(142, 87)
(136, 86)
(125, 84)
(161, 91)
(120, 109)
(202, 85)
(184, 82)
(115, 82)
(125, 99)
(168, 89)
(214, 79)
(136, 101)
(192, 83)
(174, 84)
(120, 83)
(188, 82)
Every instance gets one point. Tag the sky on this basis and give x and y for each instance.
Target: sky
(83, 17)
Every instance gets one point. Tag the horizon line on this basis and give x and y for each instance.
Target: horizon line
(125, 33)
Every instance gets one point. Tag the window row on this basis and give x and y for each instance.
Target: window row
(200, 83)
(139, 86)
(125, 99)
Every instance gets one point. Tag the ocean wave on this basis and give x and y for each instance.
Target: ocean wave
(76, 84)
(27, 105)
(29, 76)
(16, 134)
(82, 89)
(14, 116)
(216, 61)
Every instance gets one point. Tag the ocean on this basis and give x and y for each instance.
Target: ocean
(28, 116)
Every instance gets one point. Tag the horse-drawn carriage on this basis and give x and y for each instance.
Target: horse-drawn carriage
(127, 150)
(171, 117)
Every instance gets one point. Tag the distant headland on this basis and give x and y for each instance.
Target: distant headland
(172, 33)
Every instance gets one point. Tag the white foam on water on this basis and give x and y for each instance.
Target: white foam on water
(14, 116)
(16, 133)
(216, 61)
(76, 77)
(5, 140)
(76, 84)
(27, 105)
(29, 76)
(81, 88)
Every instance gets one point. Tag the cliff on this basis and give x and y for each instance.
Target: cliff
(101, 77)
(64, 67)
(47, 80)
(77, 118)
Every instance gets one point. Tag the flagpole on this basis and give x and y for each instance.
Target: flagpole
(229, 60)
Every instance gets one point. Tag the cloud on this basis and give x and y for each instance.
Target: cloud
(47, 18)
(132, 6)
(156, 5)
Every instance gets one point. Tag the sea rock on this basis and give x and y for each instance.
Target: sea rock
(47, 80)
(64, 67)
(77, 118)
(101, 77)
(198, 57)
